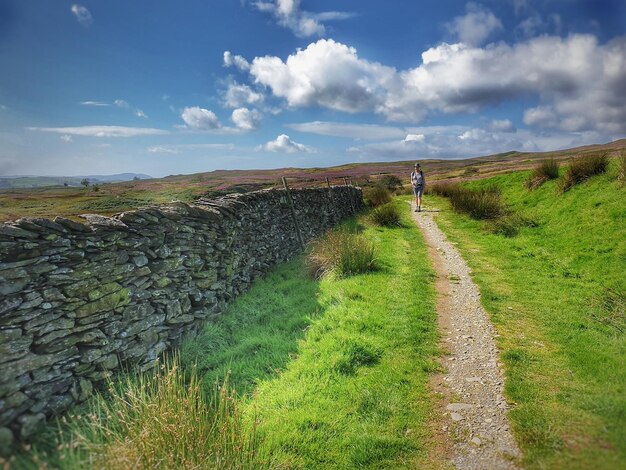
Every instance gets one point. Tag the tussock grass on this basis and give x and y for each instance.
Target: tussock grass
(342, 253)
(377, 196)
(481, 204)
(546, 170)
(582, 169)
(161, 420)
(387, 215)
(510, 224)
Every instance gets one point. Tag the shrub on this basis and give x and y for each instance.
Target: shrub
(377, 196)
(161, 420)
(582, 169)
(342, 253)
(509, 225)
(485, 203)
(545, 171)
(387, 215)
(391, 182)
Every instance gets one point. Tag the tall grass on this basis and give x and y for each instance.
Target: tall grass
(342, 253)
(387, 215)
(582, 169)
(377, 196)
(545, 171)
(621, 168)
(161, 420)
(480, 204)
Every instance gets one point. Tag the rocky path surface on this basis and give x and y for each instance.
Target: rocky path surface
(475, 426)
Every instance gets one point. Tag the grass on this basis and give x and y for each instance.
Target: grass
(483, 203)
(377, 196)
(356, 394)
(342, 253)
(329, 373)
(556, 295)
(387, 215)
(545, 171)
(582, 169)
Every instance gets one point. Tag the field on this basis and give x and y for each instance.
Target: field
(117, 197)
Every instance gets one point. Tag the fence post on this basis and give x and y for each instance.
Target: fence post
(350, 195)
(293, 212)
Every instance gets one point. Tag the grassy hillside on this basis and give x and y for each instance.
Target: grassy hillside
(556, 293)
(116, 197)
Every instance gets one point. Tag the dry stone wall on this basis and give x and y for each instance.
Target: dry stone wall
(78, 300)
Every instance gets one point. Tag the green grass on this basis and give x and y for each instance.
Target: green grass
(357, 396)
(546, 290)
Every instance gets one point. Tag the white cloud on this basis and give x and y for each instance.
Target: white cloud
(354, 131)
(238, 95)
(284, 144)
(82, 15)
(475, 26)
(582, 81)
(327, 74)
(94, 103)
(140, 113)
(66, 138)
(177, 149)
(102, 131)
(237, 61)
(246, 119)
(121, 103)
(199, 118)
(415, 138)
(502, 125)
(302, 23)
(3, 107)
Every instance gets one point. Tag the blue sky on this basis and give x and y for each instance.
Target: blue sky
(108, 86)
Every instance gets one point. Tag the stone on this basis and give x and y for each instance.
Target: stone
(9, 304)
(476, 441)
(456, 416)
(6, 441)
(103, 290)
(12, 286)
(106, 303)
(30, 424)
(140, 260)
(458, 406)
(14, 349)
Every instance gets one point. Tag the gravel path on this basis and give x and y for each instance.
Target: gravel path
(475, 425)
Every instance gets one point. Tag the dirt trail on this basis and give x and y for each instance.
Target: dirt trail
(474, 427)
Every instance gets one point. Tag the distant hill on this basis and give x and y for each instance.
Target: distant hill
(16, 182)
(51, 198)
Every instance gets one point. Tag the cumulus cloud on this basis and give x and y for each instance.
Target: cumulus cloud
(580, 80)
(350, 130)
(326, 73)
(199, 118)
(101, 131)
(283, 144)
(83, 16)
(236, 61)
(246, 119)
(238, 95)
(475, 26)
(302, 23)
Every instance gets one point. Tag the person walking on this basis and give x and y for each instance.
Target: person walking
(418, 182)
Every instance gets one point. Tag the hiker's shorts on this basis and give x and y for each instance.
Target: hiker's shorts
(417, 190)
